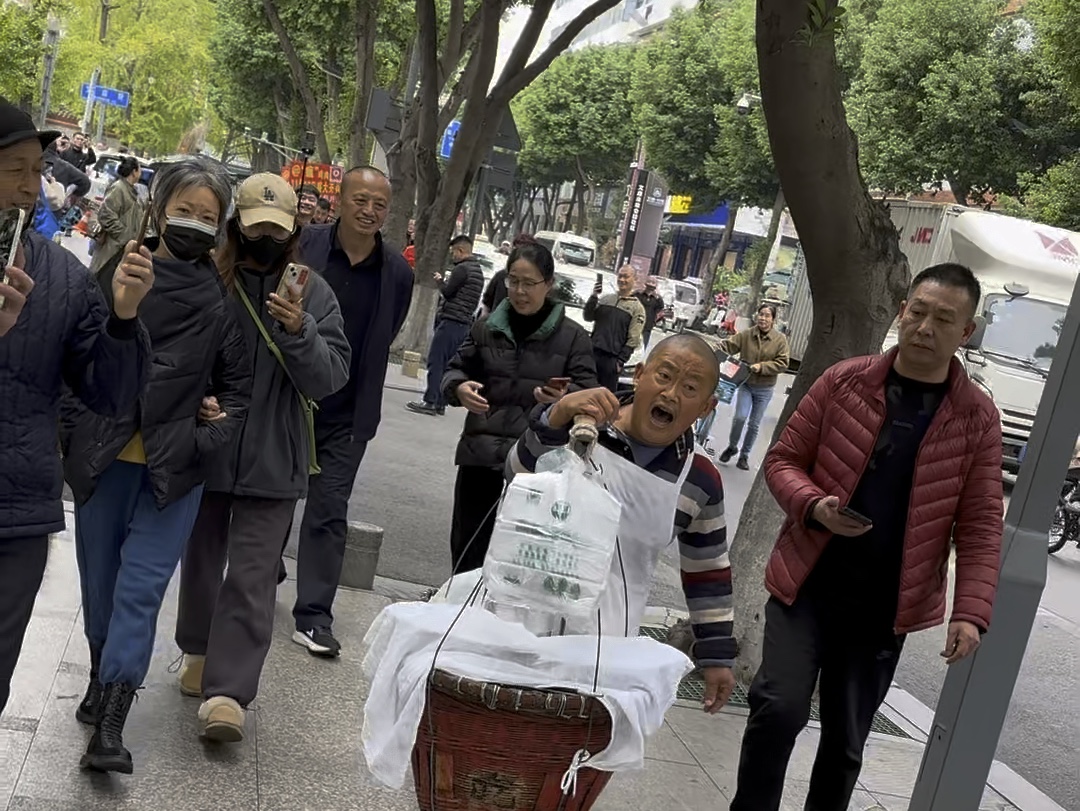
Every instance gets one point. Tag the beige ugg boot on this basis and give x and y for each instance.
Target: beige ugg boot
(221, 719)
(191, 675)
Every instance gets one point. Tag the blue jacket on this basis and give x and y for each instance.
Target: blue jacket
(319, 247)
(45, 222)
(64, 335)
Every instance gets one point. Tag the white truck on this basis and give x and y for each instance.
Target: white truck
(1027, 271)
(570, 250)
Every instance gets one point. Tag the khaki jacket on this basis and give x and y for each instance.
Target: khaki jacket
(119, 217)
(770, 350)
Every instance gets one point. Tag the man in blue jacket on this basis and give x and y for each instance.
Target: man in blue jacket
(55, 330)
(373, 284)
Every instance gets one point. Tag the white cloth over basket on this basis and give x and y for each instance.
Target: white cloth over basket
(638, 677)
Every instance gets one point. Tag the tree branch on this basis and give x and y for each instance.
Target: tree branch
(458, 94)
(517, 75)
(454, 45)
(300, 77)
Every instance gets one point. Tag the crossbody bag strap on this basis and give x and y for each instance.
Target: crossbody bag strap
(306, 402)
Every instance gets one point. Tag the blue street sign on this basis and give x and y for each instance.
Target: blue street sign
(447, 145)
(106, 95)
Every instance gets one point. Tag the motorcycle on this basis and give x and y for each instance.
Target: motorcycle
(1065, 525)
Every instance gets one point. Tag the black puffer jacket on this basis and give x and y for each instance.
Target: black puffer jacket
(461, 292)
(509, 371)
(197, 348)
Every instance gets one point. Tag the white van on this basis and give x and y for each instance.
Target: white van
(568, 249)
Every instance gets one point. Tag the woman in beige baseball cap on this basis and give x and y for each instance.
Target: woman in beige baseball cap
(299, 354)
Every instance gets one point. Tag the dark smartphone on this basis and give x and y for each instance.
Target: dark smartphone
(859, 518)
(599, 279)
(557, 383)
(144, 228)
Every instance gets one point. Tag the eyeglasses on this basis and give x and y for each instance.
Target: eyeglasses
(522, 284)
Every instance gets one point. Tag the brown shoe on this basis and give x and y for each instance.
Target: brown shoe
(221, 719)
(191, 675)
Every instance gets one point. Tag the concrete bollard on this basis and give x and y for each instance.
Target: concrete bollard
(410, 364)
(362, 545)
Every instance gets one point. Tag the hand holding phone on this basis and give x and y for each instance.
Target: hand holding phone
(552, 391)
(598, 288)
(839, 521)
(286, 305)
(293, 281)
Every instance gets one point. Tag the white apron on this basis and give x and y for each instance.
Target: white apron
(646, 528)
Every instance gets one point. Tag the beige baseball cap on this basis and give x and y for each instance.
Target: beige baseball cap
(266, 197)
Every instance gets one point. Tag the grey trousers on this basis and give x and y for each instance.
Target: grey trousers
(230, 619)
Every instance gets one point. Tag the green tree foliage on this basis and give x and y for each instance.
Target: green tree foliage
(157, 50)
(22, 28)
(1052, 198)
(950, 90)
(1058, 22)
(576, 120)
(685, 88)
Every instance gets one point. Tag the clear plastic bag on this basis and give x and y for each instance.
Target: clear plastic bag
(554, 539)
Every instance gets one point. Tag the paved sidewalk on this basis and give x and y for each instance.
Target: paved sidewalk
(303, 748)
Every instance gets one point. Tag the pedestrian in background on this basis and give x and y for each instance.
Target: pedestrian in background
(765, 350)
(55, 330)
(619, 321)
(308, 203)
(322, 212)
(373, 284)
(138, 479)
(298, 351)
(460, 298)
(119, 216)
(526, 352)
(654, 308)
(888, 461)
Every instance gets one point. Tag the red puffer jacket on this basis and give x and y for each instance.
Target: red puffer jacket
(956, 493)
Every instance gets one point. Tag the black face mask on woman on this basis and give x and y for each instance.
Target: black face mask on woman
(187, 240)
(264, 251)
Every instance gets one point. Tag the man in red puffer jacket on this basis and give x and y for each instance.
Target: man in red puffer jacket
(886, 463)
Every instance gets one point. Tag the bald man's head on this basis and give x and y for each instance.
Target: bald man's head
(673, 389)
(695, 345)
(365, 201)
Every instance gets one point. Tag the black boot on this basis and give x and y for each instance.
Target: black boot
(106, 752)
(90, 706)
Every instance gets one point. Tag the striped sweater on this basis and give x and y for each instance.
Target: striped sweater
(699, 527)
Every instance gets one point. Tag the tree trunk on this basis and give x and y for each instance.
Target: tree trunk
(856, 271)
(365, 14)
(300, 80)
(718, 256)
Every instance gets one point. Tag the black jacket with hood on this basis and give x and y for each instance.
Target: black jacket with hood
(197, 347)
(509, 371)
(269, 456)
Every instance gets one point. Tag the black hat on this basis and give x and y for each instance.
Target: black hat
(17, 126)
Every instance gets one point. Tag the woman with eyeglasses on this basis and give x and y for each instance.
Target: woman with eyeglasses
(296, 341)
(527, 351)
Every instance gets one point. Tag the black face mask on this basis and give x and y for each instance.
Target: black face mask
(187, 240)
(264, 251)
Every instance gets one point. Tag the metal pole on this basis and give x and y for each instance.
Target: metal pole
(89, 111)
(101, 124)
(414, 73)
(52, 41)
(975, 699)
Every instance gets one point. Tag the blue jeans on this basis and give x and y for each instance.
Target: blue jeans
(127, 550)
(445, 342)
(750, 405)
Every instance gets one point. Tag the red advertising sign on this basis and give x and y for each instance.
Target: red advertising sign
(323, 176)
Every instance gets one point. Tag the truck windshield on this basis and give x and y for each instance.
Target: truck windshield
(1023, 328)
(685, 294)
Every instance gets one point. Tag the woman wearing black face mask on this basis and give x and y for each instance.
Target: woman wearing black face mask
(299, 353)
(138, 479)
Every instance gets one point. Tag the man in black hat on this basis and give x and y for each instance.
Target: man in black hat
(55, 330)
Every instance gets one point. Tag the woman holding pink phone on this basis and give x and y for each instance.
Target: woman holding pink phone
(527, 351)
(296, 342)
